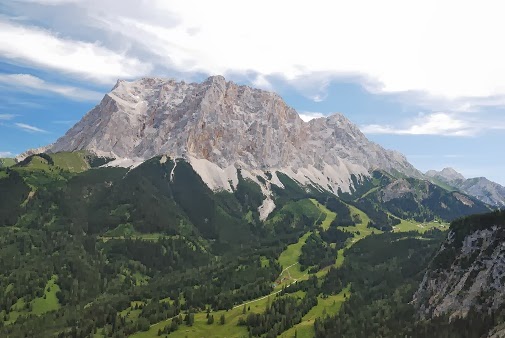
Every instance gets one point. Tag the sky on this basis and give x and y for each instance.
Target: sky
(426, 78)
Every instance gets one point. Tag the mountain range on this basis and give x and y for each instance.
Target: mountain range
(219, 127)
(480, 187)
(211, 209)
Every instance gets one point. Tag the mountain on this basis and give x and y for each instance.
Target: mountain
(171, 205)
(481, 188)
(223, 131)
(448, 175)
(219, 126)
(387, 199)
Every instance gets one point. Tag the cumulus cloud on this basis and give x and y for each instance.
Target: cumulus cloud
(309, 115)
(39, 47)
(30, 83)
(29, 128)
(389, 46)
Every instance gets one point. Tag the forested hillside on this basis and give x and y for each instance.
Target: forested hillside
(89, 251)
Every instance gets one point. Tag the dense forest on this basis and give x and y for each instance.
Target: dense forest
(112, 252)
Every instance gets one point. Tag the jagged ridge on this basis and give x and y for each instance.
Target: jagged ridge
(479, 187)
(219, 123)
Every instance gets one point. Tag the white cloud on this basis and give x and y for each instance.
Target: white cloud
(388, 46)
(30, 83)
(29, 128)
(424, 156)
(431, 124)
(309, 115)
(65, 122)
(5, 117)
(6, 154)
(262, 82)
(400, 45)
(39, 47)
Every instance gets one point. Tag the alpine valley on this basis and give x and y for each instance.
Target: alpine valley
(212, 209)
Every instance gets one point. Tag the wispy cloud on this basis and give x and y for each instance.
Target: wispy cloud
(6, 117)
(29, 128)
(424, 156)
(65, 122)
(30, 83)
(431, 124)
(37, 46)
(310, 115)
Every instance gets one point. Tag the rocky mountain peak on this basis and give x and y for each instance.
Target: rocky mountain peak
(219, 125)
(480, 187)
(447, 174)
(450, 173)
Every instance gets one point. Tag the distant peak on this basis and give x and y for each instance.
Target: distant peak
(448, 173)
(452, 172)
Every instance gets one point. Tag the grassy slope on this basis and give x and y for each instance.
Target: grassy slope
(50, 303)
(40, 305)
(73, 162)
(7, 162)
(305, 207)
(131, 313)
(289, 257)
(289, 261)
(201, 329)
(325, 306)
(407, 225)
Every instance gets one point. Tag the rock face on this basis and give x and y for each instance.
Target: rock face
(467, 272)
(219, 125)
(479, 187)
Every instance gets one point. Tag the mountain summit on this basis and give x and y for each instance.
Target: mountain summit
(219, 125)
(480, 187)
(448, 175)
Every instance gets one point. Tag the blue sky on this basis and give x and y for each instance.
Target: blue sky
(425, 82)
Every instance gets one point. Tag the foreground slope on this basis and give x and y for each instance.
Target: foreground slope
(468, 272)
(151, 249)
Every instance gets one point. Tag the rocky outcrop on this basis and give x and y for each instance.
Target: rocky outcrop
(467, 272)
